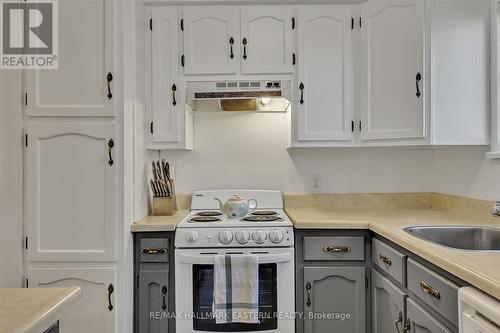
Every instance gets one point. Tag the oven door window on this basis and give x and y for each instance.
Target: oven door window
(203, 289)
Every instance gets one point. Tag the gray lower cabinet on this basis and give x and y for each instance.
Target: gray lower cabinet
(420, 321)
(154, 294)
(334, 299)
(153, 301)
(388, 305)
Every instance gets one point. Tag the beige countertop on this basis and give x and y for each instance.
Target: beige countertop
(480, 269)
(34, 310)
(159, 223)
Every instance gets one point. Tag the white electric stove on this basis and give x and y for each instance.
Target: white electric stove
(266, 233)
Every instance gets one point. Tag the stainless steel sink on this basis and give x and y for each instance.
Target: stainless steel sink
(457, 237)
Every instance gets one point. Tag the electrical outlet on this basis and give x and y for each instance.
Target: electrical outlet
(315, 183)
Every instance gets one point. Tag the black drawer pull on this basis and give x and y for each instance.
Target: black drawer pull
(109, 78)
(163, 295)
(308, 290)
(231, 43)
(245, 42)
(418, 78)
(174, 89)
(111, 289)
(301, 87)
(111, 145)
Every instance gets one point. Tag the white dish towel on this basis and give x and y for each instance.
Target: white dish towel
(236, 289)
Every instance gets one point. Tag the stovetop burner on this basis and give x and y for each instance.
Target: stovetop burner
(262, 218)
(209, 213)
(264, 213)
(204, 219)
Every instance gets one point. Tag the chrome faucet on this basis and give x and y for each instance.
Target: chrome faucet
(496, 209)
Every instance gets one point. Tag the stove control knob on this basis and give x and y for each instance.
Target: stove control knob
(242, 237)
(276, 236)
(226, 237)
(259, 236)
(192, 236)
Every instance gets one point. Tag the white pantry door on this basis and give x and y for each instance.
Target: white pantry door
(166, 92)
(79, 87)
(393, 69)
(209, 35)
(266, 39)
(324, 91)
(92, 313)
(70, 191)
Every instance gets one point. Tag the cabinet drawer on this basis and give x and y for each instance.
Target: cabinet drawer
(388, 259)
(435, 290)
(334, 248)
(154, 250)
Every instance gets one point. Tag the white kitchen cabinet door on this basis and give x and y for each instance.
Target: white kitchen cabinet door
(166, 101)
(209, 35)
(70, 191)
(92, 313)
(79, 87)
(393, 70)
(266, 39)
(324, 91)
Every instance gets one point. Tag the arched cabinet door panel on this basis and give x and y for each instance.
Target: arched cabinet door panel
(92, 312)
(324, 89)
(86, 65)
(394, 95)
(70, 191)
(266, 37)
(334, 290)
(207, 40)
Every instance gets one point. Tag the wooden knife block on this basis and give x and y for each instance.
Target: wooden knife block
(164, 206)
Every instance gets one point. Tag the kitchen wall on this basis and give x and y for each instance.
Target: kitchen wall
(10, 179)
(465, 172)
(248, 150)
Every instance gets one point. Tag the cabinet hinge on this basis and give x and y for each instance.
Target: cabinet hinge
(26, 99)
(151, 24)
(352, 23)
(293, 23)
(26, 242)
(151, 127)
(182, 24)
(26, 140)
(182, 60)
(293, 59)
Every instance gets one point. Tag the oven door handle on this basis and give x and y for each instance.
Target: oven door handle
(210, 258)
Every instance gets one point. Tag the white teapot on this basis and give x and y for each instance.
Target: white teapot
(236, 207)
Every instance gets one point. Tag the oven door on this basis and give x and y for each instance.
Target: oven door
(194, 290)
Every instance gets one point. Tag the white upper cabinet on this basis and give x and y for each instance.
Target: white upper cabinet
(211, 40)
(70, 191)
(266, 39)
(393, 88)
(95, 311)
(460, 72)
(166, 103)
(324, 94)
(86, 64)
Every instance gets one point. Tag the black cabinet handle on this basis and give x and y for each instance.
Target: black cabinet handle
(399, 322)
(245, 42)
(111, 144)
(174, 89)
(301, 87)
(308, 290)
(111, 289)
(164, 294)
(109, 78)
(418, 78)
(231, 43)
